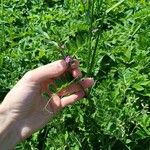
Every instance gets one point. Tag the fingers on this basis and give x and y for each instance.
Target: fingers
(52, 70)
(75, 64)
(86, 83)
(55, 103)
(75, 69)
(46, 72)
(72, 99)
(76, 73)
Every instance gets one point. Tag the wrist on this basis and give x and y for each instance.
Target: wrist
(8, 134)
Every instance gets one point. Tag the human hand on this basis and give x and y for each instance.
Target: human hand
(24, 104)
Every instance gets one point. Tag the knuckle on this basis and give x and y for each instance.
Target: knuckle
(77, 62)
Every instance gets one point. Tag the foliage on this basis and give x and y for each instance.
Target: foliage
(111, 39)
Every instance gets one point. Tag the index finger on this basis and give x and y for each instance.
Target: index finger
(46, 72)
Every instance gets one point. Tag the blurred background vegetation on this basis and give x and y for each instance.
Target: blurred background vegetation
(111, 39)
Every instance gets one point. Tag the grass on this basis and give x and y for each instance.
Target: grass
(111, 39)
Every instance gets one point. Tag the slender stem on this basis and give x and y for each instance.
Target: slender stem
(92, 62)
(93, 53)
(90, 11)
(99, 5)
(95, 47)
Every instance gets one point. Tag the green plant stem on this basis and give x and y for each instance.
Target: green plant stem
(91, 11)
(114, 6)
(92, 53)
(92, 62)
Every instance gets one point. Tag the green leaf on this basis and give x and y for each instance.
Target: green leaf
(114, 6)
(52, 88)
(138, 87)
(128, 141)
(1, 61)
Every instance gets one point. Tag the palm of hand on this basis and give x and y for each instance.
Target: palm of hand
(25, 107)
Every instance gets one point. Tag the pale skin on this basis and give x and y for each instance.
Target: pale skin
(23, 112)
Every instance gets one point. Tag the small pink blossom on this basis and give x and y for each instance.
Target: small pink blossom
(68, 59)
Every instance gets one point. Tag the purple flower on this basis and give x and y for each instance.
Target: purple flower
(68, 59)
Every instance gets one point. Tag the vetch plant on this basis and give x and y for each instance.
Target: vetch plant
(111, 41)
(64, 81)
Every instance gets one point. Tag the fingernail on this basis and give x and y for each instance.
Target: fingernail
(91, 79)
